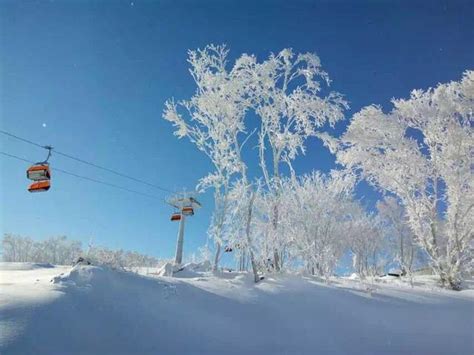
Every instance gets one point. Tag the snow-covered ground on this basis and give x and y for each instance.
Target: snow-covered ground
(91, 310)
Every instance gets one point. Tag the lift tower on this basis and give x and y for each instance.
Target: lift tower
(185, 205)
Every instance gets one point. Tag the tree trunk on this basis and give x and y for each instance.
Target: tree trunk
(276, 260)
(217, 257)
(402, 256)
(249, 242)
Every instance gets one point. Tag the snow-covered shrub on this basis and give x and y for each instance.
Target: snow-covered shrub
(120, 259)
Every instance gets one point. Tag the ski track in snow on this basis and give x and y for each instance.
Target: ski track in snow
(92, 310)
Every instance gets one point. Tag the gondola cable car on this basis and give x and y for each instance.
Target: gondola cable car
(39, 186)
(188, 211)
(40, 173)
(175, 217)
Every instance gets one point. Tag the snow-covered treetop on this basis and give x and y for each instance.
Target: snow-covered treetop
(387, 148)
(213, 117)
(287, 98)
(284, 90)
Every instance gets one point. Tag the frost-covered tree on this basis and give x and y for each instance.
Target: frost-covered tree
(400, 236)
(56, 250)
(17, 249)
(286, 94)
(243, 236)
(422, 152)
(315, 211)
(285, 91)
(63, 251)
(367, 243)
(212, 119)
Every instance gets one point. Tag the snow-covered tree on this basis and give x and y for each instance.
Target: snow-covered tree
(367, 243)
(422, 152)
(285, 91)
(17, 248)
(400, 236)
(63, 251)
(286, 94)
(213, 120)
(56, 250)
(243, 236)
(314, 215)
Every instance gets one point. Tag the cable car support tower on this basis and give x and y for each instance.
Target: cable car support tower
(185, 205)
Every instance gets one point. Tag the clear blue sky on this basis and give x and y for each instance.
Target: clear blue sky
(91, 77)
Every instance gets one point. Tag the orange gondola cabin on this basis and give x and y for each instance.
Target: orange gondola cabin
(39, 172)
(41, 176)
(188, 211)
(39, 186)
(176, 217)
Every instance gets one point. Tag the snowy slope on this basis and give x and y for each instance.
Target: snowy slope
(91, 310)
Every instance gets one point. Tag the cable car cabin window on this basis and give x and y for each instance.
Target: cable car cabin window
(188, 211)
(39, 186)
(38, 172)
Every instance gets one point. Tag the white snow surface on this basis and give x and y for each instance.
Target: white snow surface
(95, 310)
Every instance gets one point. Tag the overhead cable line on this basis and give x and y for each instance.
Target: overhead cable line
(86, 162)
(85, 177)
(22, 139)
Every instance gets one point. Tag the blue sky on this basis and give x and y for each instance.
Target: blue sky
(91, 77)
